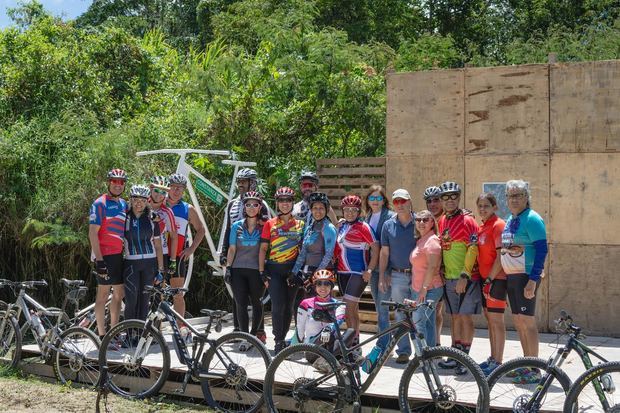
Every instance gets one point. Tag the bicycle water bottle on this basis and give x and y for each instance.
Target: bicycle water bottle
(608, 383)
(36, 323)
(371, 359)
(90, 317)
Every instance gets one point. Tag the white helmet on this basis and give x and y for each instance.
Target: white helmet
(139, 191)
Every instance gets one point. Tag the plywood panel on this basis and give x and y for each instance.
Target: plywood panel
(415, 173)
(585, 107)
(507, 109)
(585, 283)
(425, 113)
(584, 198)
(532, 168)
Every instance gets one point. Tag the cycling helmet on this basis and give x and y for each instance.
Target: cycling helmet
(431, 192)
(117, 174)
(309, 175)
(251, 195)
(179, 179)
(449, 188)
(351, 201)
(284, 192)
(160, 182)
(247, 173)
(326, 275)
(139, 191)
(318, 197)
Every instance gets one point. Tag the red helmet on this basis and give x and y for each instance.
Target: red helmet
(351, 201)
(325, 275)
(284, 192)
(117, 173)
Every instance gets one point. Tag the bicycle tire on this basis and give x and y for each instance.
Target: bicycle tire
(75, 359)
(449, 403)
(581, 384)
(280, 388)
(248, 388)
(501, 375)
(129, 380)
(11, 348)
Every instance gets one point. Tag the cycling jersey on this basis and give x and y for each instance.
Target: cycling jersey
(489, 241)
(524, 244)
(284, 239)
(110, 215)
(307, 327)
(353, 247)
(459, 236)
(181, 216)
(247, 245)
(139, 236)
(167, 224)
(317, 248)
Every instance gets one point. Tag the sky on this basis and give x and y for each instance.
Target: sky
(67, 9)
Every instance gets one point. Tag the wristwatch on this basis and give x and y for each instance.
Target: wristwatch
(465, 276)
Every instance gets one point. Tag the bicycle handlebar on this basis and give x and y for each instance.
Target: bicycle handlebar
(564, 325)
(186, 151)
(408, 305)
(23, 284)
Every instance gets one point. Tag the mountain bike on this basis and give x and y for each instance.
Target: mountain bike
(548, 390)
(601, 395)
(330, 384)
(72, 351)
(138, 360)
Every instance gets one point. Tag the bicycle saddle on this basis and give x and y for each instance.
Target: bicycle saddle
(72, 283)
(213, 313)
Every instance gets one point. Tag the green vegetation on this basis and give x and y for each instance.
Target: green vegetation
(281, 82)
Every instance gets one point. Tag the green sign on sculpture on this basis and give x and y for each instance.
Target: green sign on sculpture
(209, 191)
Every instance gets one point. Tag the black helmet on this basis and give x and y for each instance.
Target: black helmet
(247, 173)
(309, 175)
(449, 188)
(431, 192)
(318, 197)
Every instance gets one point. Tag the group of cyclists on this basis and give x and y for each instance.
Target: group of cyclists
(299, 256)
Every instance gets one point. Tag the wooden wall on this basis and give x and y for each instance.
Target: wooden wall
(556, 126)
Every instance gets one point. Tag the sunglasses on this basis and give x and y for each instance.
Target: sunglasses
(285, 200)
(160, 191)
(425, 220)
(117, 181)
(350, 209)
(375, 198)
(323, 283)
(307, 185)
(252, 205)
(399, 201)
(452, 197)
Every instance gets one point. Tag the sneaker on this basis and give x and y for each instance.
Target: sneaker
(447, 364)
(322, 365)
(280, 345)
(262, 336)
(402, 359)
(485, 363)
(492, 365)
(244, 346)
(460, 370)
(517, 372)
(531, 377)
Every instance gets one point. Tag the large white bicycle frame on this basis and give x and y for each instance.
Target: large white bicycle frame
(187, 170)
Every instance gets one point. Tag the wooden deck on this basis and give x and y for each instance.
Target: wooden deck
(383, 392)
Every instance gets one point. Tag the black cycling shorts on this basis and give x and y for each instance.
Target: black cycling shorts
(351, 286)
(114, 264)
(518, 303)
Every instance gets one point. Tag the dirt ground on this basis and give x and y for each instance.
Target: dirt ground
(31, 395)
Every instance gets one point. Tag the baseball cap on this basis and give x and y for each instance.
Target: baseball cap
(401, 193)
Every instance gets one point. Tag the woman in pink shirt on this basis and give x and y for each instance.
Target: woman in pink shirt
(426, 283)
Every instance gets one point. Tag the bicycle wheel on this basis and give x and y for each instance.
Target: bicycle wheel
(75, 359)
(450, 392)
(238, 387)
(10, 342)
(294, 384)
(508, 392)
(138, 359)
(584, 397)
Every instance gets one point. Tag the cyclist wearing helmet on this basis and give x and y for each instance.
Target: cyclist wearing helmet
(377, 212)
(433, 204)
(280, 242)
(311, 330)
(167, 224)
(308, 184)
(317, 248)
(143, 254)
(357, 253)
(397, 242)
(105, 233)
(242, 272)
(185, 216)
(247, 180)
(458, 233)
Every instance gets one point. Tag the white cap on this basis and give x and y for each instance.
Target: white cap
(401, 193)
